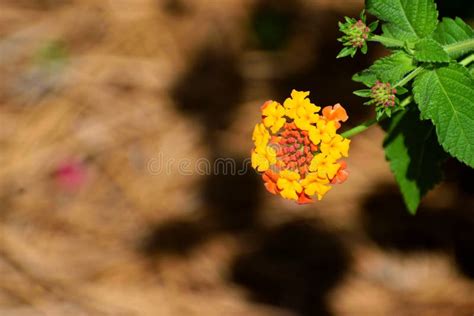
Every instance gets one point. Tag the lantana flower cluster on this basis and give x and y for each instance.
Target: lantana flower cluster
(298, 150)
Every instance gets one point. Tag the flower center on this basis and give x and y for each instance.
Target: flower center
(359, 33)
(383, 94)
(295, 150)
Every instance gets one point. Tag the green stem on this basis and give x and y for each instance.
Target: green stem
(406, 101)
(386, 40)
(466, 61)
(362, 127)
(410, 76)
(451, 49)
(466, 45)
(359, 128)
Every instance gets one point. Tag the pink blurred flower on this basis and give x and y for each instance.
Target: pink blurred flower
(70, 175)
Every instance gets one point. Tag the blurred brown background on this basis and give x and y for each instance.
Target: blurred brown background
(92, 92)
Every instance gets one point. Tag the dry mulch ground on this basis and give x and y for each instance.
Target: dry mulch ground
(112, 87)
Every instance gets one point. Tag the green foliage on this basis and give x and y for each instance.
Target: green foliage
(445, 95)
(414, 154)
(406, 20)
(428, 50)
(433, 64)
(347, 51)
(451, 31)
(356, 32)
(388, 69)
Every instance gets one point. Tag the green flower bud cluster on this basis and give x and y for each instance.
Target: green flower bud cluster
(356, 33)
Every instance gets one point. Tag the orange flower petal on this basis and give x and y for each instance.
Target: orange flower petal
(341, 175)
(275, 139)
(335, 113)
(303, 198)
(264, 105)
(291, 125)
(270, 178)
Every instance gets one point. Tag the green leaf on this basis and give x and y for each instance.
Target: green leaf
(346, 51)
(364, 48)
(414, 154)
(428, 50)
(407, 20)
(451, 31)
(471, 70)
(401, 90)
(445, 95)
(388, 69)
(379, 114)
(373, 26)
(365, 93)
(366, 77)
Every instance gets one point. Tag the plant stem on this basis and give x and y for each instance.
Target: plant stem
(406, 101)
(365, 125)
(386, 40)
(410, 76)
(466, 61)
(466, 45)
(359, 128)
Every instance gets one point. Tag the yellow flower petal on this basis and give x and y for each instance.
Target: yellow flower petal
(260, 135)
(297, 103)
(259, 162)
(262, 158)
(327, 130)
(274, 116)
(313, 184)
(288, 183)
(324, 166)
(314, 135)
(337, 147)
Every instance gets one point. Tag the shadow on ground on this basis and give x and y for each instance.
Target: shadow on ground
(293, 266)
(387, 222)
(211, 89)
(232, 202)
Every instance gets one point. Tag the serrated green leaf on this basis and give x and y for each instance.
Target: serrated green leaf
(414, 154)
(366, 77)
(388, 69)
(445, 95)
(451, 31)
(407, 20)
(428, 50)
